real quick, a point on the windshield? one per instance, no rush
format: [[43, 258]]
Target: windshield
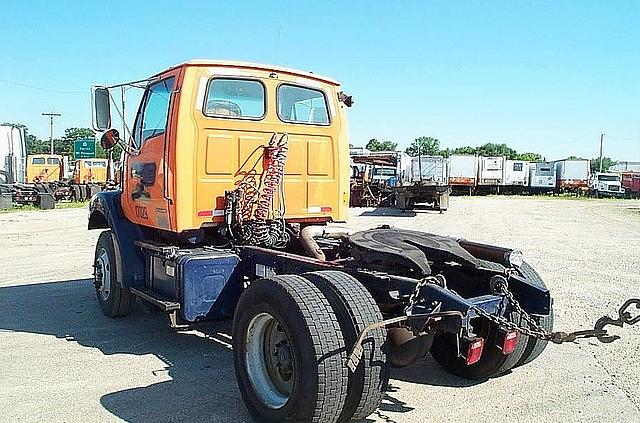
[[609, 178], [37, 160]]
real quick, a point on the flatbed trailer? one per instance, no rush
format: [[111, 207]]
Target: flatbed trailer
[[320, 312]]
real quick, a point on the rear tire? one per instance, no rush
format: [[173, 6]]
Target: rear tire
[[302, 377], [355, 309], [535, 346], [114, 300]]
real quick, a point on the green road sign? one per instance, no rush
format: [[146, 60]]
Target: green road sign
[[84, 148]]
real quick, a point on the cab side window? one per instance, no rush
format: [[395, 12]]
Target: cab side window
[[153, 115]]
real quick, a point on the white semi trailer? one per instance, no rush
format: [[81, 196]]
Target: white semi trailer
[[491, 173], [463, 172], [516, 175], [542, 177], [572, 175], [13, 152]]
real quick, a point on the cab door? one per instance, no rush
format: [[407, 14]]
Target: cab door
[[144, 196]]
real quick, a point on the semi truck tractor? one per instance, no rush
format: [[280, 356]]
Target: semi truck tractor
[[233, 202]]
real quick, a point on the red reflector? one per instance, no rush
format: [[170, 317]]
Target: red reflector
[[205, 213], [326, 209], [510, 341], [474, 352]]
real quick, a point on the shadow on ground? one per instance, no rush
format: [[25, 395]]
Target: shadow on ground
[[199, 362], [395, 212]]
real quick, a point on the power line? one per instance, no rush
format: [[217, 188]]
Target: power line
[[33, 87]]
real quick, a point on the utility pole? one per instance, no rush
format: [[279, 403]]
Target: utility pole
[[51, 115], [601, 139]]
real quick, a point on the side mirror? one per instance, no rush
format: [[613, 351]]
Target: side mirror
[[109, 139], [346, 99], [101, 109]]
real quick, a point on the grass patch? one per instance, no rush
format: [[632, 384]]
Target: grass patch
[[59, 205]]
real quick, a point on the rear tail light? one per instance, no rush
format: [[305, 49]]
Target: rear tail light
[[474, 351], [509, 342]]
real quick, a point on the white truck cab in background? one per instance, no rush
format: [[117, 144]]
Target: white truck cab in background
[[605, 183]]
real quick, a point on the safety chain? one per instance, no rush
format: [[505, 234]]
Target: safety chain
[[534, 329]]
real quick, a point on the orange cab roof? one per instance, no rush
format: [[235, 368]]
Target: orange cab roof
[[258, 66]]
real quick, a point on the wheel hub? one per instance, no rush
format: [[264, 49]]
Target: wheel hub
[[284, 361], [102, 275], [269, 360]]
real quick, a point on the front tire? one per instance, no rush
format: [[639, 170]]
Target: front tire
[[289, 352], [114, 300]]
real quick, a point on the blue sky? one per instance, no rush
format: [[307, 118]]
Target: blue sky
[[542, 76]]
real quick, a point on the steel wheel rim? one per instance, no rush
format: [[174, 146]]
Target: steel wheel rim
[[103, 275], [269, 360]]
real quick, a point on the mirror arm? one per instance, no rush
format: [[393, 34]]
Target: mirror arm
[[128, 145]]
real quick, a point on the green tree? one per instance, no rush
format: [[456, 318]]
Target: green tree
[[464, 150], [607, 162], [531, 157], [375, 145], [493, 149], [425, 146]]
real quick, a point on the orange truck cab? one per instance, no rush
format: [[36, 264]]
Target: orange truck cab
[[44, 168], [203, 128], [90, 171], [233, 186]]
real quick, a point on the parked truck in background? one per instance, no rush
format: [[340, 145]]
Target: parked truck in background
[[606, 184], [542, 177], [425, 181], [631, 184], [13, 151], [463, 173], [44, 168], [572, 175]]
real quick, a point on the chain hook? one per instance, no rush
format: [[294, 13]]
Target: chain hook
[[625, 315]]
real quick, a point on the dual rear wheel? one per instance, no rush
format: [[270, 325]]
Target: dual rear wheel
[[291, 337]]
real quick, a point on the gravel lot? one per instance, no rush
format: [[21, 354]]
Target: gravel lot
[[64, 361]]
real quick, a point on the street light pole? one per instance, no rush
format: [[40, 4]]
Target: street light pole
[[51, 116], [601, 139]]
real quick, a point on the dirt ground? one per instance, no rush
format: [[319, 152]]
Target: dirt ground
[[62, 360]]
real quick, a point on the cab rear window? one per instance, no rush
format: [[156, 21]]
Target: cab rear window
[[302, 105], [235, 98]]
